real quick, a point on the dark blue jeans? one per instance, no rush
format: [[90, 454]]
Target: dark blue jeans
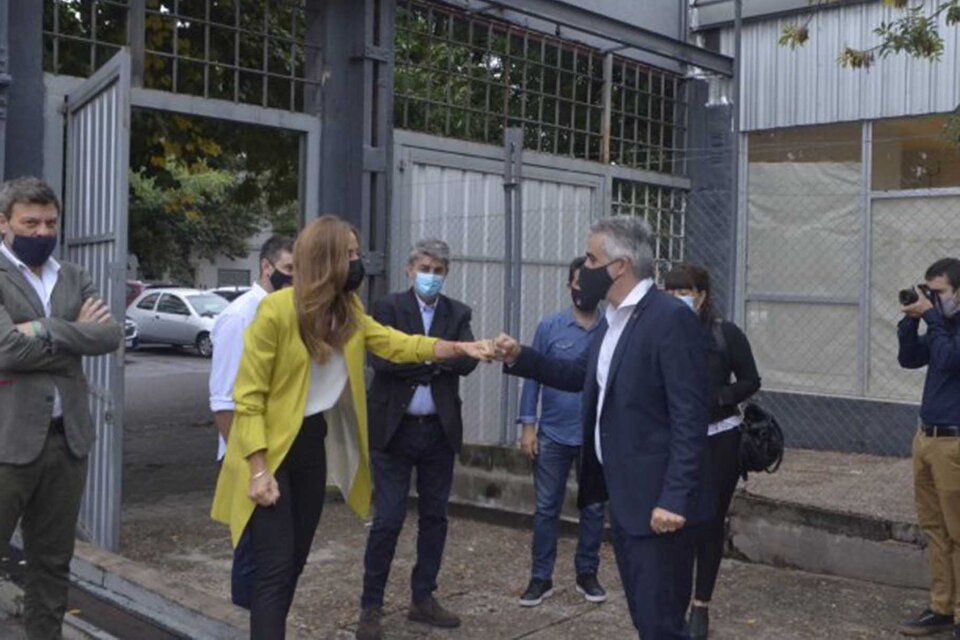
[[551, 468], [423, 447]]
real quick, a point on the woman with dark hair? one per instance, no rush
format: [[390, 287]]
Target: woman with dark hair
[[301, 410], [732, 379]]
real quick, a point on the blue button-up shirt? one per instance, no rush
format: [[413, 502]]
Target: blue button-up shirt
[[422, 403], [560, 336]]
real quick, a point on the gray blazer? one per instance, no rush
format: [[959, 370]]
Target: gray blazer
[[30, 368]]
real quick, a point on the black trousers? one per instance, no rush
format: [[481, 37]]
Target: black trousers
[[724, 454], [657, 573], [424, 447], [281, 535]]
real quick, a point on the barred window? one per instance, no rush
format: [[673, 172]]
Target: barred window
[[663, 208], [244, 51], [80, 36], [466, 76]]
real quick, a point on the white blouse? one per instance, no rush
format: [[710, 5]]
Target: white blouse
[[327, 382]]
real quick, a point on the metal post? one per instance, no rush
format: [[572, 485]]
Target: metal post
[[4, 83], [736, 160], [356, 108], [512, 264], [137, 39], [607, 108]]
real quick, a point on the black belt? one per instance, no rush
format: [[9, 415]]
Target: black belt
[[933, 431], [430, 419], [56, 425]]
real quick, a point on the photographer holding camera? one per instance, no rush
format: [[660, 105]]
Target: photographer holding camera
[[936, 447]]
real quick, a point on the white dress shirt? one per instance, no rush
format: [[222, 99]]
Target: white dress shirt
[[227, 338], [43, 285], [327, 382], [422, 404], [617, 319]]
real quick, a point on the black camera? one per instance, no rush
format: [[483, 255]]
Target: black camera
[[910, 296]]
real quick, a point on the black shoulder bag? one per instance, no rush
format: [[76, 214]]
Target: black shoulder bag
[[761, 439]]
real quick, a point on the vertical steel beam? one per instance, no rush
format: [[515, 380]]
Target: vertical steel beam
[[4, 83], [866, 246], [736, 160], [607, 108], [24, 98], [137, 40], [357, 113], [512, 263]]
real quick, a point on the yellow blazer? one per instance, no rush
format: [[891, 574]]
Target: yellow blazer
[[270, 393]]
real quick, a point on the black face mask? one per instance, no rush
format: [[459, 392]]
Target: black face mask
[[355, 275], [583, 303], [595, 283], [280, 280], [34, 250]]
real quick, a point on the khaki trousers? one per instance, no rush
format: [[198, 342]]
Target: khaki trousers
[[936, 482], [44, 496]]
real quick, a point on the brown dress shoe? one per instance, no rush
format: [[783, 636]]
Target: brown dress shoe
[[430, 612], [369, 627]]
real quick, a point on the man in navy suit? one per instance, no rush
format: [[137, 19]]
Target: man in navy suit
[[645, 420]]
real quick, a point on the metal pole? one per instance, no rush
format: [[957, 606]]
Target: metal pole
[[137, 37], [607, 108], [733, 306], [4, 83], [513, 228]]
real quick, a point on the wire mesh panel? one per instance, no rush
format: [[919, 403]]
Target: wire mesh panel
[[469, 76], [251, 52], [95, 230]]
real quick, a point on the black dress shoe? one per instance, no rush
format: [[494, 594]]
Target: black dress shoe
[[927, 624], [699, 622]]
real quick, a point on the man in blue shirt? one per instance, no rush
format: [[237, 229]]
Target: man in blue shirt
[[936, 454], [555, 445]]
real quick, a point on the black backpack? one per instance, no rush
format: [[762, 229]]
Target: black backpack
[[761, 439]]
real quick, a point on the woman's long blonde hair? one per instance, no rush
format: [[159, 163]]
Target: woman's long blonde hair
[[326, 312]]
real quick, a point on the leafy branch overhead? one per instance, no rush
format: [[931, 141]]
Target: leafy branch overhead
[[916, 32]]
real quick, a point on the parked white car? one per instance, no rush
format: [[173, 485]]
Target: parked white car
[[182, 317]]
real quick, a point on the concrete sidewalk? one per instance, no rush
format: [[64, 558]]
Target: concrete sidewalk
[[485, 569]]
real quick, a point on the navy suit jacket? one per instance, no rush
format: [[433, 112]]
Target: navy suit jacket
[[393, 385], [653, 429]]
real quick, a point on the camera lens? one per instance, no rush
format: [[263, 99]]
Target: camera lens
[[908, 296]]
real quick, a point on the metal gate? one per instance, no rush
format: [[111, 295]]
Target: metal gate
[[453, 190], [95, 234]]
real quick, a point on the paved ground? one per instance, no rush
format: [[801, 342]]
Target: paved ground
[[169, 437], [485, 570], [853, 483]]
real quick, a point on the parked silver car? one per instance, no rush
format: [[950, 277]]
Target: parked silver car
[[131, 334], [181, 317]]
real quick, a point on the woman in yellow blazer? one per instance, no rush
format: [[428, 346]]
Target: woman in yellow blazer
[[301, 382]]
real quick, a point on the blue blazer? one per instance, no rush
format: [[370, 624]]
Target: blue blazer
[[653, 430]]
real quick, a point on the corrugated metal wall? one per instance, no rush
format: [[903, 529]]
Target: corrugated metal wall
[[783, 87], [451, 193]]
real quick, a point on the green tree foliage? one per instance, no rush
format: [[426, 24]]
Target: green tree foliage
[[199, 187], [916, 32], [185, 212]]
